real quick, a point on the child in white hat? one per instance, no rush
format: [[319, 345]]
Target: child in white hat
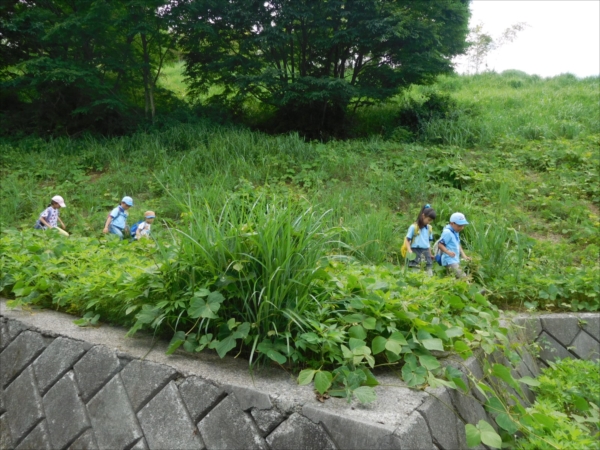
[[49, 217]]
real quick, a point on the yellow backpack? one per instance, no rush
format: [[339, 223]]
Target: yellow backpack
[[404, 248]]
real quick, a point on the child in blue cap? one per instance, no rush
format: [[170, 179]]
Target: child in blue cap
[[116, 221], [450, 247]]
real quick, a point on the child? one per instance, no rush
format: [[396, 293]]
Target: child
[[419, 237], [450, 246], [116, 221], [143, 229], [49, 217]]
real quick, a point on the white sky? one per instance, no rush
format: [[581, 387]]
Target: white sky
[[563, 35]]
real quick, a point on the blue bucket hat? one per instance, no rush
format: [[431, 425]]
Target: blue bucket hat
[[458, 219], [127, 200]]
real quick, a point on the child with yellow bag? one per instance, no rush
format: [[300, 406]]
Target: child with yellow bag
[[419, 238]]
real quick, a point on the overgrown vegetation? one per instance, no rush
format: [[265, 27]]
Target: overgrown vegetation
[[287, 252]]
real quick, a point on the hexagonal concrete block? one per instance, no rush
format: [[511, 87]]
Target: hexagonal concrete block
[[590, 323], [586, 347], [442, 420], [56, 360], [87, 441], [414, 433], [227, 427], [200, 396], [23, 405], [266, 419], [94, 370], [298, 432], [551, 349], [143, 379], [19, 354], [37, 439], [65, 412], [562, 327], [166, 422], [112, 417]]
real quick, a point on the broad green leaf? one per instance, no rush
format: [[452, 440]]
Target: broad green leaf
[[357, 332], [201, 292], [346, 352], [529, 381], [454, 332], [225, 345], [393, 346], [433, 344], [369, 323], [506, 423], [306, 376], [355, 343], [473, 435], [323, 381], [398, 337], [378, 345], [463, 349], [276, 356], [494, 405], [504, 374], [580, 403], [429, 362], [365, 394], [544, 420], [488, 435], [176, 341]]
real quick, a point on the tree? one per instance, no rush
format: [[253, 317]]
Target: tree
[[312, 61], [481, 44], [75, 65]]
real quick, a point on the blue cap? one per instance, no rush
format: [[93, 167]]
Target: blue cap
[[127, 200], [458, 219]]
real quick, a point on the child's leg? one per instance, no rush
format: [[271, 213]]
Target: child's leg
[[114, 230], [456, 270], [416, 263], [428, 262]]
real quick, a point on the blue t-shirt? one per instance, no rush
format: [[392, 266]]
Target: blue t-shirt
[[119, 216], [422, 240], [451, 239]]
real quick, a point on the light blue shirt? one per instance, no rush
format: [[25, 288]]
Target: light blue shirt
[[119, 216], [422, 240], [451, 239]]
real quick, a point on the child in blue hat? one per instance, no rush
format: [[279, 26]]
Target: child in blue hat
[[450, 247], [116, 221]]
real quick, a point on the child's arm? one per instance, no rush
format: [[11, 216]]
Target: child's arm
[[62, 223], [44, 222], [407, 243], [463, 254], [443, 249], [138, 232], [107, 224]]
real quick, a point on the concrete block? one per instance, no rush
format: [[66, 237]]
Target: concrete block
[[143, 379], [441, 419], [414, 433], [15, 328], [112, 417], [166, 422], [140, 445], [56, 360], [65, 412], [529, 361], [199, 396], [551, 349], [37, 439], [5, 439], [87, 441], [249, 398], [349, 433], [562, 327], [266, 419], [227, 427], [94, 370], [591, 324], [586, 347], [19, 354], [530, 327], [23, 405], [4, 336], [300, 433], [2, 401]]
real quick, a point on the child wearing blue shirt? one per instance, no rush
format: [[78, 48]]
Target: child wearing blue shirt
[[419, 237], [116, 221], [450, 246]]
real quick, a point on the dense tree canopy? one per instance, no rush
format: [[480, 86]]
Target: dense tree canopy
[[72, 65], [312, 60]]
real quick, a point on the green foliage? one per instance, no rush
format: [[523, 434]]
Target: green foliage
[[311, 61]]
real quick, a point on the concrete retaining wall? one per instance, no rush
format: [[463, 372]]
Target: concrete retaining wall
[[65, 387]]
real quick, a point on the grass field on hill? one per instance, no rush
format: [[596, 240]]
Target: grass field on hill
[[289, 251]]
